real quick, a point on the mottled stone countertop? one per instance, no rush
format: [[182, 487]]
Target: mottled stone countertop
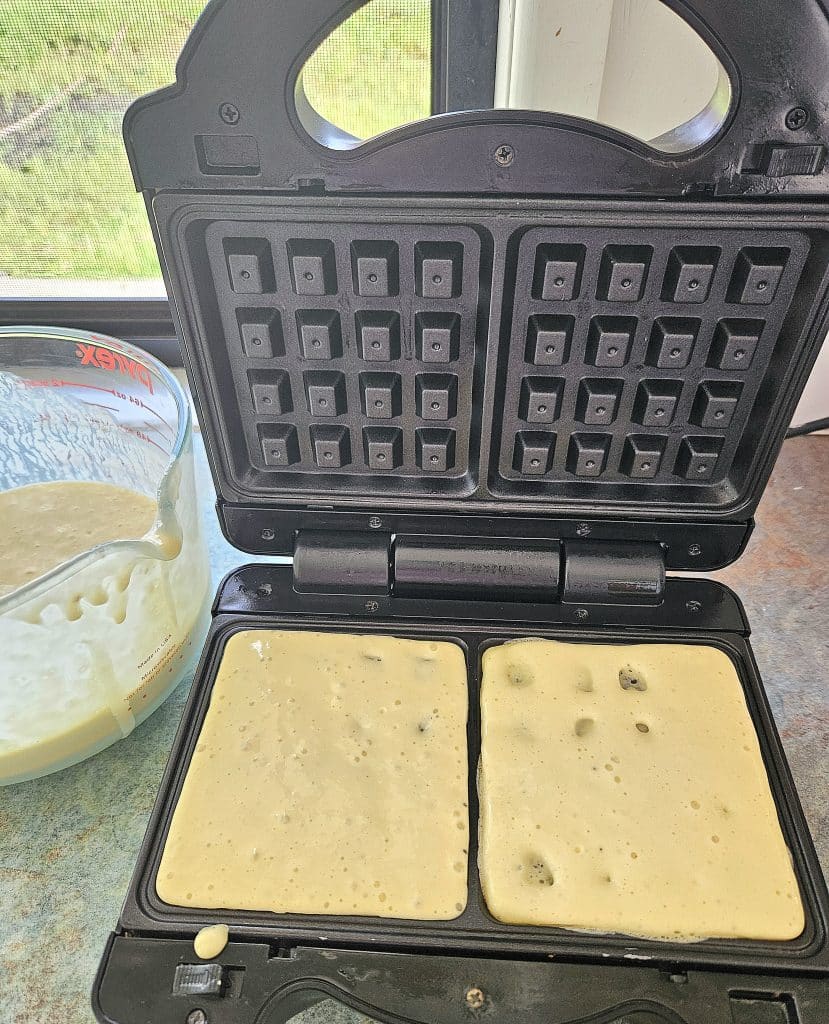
[[68, 842]]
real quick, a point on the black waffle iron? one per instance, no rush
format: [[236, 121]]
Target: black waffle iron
[[486, 376]]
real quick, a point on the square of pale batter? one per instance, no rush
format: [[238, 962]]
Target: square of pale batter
[[329, 777], [622, 789]]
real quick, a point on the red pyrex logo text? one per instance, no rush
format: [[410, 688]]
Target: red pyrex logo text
[[107, 359]]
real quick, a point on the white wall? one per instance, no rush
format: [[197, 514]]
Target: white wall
[[648, 47], [545, 56], [607, 60]]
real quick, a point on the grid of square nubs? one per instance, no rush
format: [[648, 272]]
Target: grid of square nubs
[[352, 349], [636, 357]]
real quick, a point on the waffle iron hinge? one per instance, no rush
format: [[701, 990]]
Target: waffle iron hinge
[[479, 569]]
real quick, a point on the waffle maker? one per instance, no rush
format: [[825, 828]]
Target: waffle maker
[[491, 375]]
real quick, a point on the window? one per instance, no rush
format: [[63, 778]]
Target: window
[[374, 72], [71, 223]]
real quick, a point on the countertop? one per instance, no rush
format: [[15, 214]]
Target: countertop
[[68, 842]]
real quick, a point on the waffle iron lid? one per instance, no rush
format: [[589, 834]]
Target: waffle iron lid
[[594, 329]]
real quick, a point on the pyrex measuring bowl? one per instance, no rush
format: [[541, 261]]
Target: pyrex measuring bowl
[[91, 648]]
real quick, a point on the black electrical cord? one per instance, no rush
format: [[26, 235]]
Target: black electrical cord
[[808, 428]]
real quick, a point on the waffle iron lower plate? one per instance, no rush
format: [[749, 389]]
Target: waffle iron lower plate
[[698, 981]]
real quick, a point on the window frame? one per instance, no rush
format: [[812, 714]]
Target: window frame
[[464, 51], [145, 322]]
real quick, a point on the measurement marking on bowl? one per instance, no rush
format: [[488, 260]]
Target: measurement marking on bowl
[[110, 391]]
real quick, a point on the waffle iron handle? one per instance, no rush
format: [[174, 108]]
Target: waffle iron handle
[[428, 989], [138, 982], [405, 989], [234, 118]]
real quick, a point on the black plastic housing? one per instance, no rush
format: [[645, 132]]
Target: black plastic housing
[[507, 395]]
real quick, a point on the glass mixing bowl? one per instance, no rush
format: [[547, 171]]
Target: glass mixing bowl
[[91, 648]]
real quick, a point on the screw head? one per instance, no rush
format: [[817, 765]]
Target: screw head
[[693, 606], [475, 998], [504, 155], [375, 522], [197, 1017], [372, 606], [583, 530], [229, 113], [268, 534], [582, 614], [797, 118], [694, 550]]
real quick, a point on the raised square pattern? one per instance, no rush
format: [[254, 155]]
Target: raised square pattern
[[642, 455], [690, 273], [249, 265], [757, 274], [354, 350], [325, 391], [435, 449], [610, 339], [540, 399], [271, 392], [587, 454], [375, 268], [438, 269], [548, 339], [332, 446], [381, 395], [598, 401], [672, 342], [319, 334], [279, 445], [383, 448], [558, 271], [378, 335], [533, 453], [735, 342], [313, 270], [715, 404], [698, 457], [623, 273], [437, 396], [260, 333], [656, 402], [438, 337]]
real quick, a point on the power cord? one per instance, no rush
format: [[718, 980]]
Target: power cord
[[808, 428]]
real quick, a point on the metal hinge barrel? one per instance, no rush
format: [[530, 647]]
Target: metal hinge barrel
[[346, 562], [605, 572], [479, 568]]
